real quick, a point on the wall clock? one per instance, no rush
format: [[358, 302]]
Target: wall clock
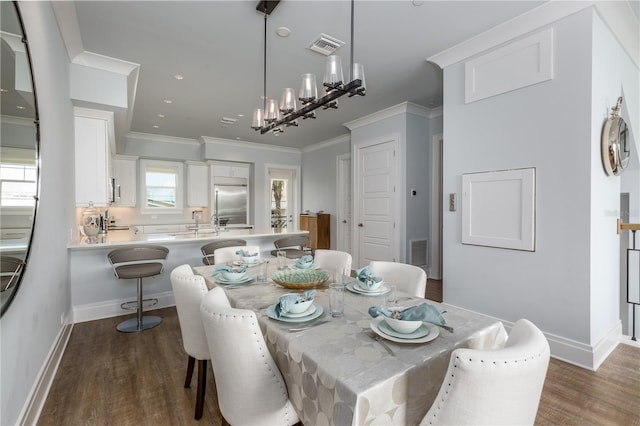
[[615, 142]]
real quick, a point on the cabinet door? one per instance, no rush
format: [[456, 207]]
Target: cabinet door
[[240, 172], [197, 185], [126, 181], [91, 165]]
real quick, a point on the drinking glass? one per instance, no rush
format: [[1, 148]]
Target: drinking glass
[[282, 260], [338, 276], [336, 300], [262, 271], [390, 297]]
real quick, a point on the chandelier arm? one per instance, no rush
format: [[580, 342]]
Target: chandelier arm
[[264, 74], [351, 50]]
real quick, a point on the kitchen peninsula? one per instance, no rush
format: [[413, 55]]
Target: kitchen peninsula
[[96, 292]]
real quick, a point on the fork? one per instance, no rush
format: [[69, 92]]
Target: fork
[[382, 343]]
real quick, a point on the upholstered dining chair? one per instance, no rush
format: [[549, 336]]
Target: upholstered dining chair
[[251, 390], [494, 387], [293, 246], [188, 290], [228, 254], [209, 249], [332, 259], [407, 278]]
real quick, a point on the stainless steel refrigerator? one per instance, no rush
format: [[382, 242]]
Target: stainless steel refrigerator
[[230, 198]]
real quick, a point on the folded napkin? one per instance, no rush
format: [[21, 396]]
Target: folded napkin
[[226, 268], [367, 277], [285, 302], [422, 312], [305, 261], [245, 253]]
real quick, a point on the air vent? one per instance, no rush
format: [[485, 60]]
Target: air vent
[[228, 121], [325, 44]]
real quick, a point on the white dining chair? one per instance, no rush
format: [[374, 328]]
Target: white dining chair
[[494, 387], [188, 290], [329, 260], [407, 278], [251, 390], [228, 254]]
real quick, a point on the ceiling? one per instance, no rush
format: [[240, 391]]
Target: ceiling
[[217, 46]]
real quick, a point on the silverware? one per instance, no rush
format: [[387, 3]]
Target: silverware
[[446, 327], [382, 343], [306, 327]]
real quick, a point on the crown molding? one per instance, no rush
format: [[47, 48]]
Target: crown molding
[[617, 15], [403, 108], [245, 144], [148, 137], [327, 143]]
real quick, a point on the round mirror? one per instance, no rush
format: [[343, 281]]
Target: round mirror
[[19, 152]]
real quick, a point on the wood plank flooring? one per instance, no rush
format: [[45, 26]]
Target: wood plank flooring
[[112, 378]]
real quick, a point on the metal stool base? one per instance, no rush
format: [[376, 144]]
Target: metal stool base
[[133, 325]]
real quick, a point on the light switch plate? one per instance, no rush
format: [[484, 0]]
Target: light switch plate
[[452, 202]]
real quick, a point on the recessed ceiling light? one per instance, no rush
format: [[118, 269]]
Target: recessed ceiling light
[[167, 101], [417, 3], [4, 90], [240, 115], [178, 77], [283, 31], [20, 107], [238, 137], [161, 115], [155, 126]]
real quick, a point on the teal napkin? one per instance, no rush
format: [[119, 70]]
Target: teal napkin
[[226, 268], [245, 253], [285, 302], [422, 312], [304, 262], [366, 277]]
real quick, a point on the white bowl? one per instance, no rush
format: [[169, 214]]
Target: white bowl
[[235, 274], [300, 307], [402, 326], [371, 287], [250, 259]]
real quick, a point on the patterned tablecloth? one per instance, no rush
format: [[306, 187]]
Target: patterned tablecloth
[[337, 373]]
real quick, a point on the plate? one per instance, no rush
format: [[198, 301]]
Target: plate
[[310, 268], [246, 279], [354, 289], [422, 331], [308, 312], [271, 313], [434, 332], [242, 263]]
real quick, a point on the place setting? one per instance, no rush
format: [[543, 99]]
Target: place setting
[[295, 308], [247, 258], [232, 275], [415, 324], [304, 263], [368, 284]]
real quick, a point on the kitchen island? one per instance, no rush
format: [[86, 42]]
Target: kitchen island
[[95, 291]]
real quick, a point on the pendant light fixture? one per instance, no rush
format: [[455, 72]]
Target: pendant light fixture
[[268, 119]]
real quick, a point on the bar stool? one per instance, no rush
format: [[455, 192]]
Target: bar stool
[[138, 262], [209, 249]]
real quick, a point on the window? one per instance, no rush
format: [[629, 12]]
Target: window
[[161, 186], [17, 178]]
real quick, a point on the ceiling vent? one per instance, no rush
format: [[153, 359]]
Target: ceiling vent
[[325, 44]]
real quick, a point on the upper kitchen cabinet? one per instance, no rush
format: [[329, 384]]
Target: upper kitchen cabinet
[[126, 173], [94, 151], [197, 184], [228, 169]]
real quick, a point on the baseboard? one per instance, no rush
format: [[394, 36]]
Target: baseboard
[[38, 395], [111, 308]]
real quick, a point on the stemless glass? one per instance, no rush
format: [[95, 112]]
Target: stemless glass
[[336, 300], [282, 260]]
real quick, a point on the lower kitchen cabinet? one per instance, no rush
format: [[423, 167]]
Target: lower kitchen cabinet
[[319, 227]]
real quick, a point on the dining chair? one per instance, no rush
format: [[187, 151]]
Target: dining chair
[[330, 260], [188, 290], [10, 268], [138, 261], [496, 387], [209, 249], [251, 390], [407, 278], [228, 254], [294, 246]]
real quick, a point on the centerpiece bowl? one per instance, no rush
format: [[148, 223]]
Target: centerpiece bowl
[[300, 279]]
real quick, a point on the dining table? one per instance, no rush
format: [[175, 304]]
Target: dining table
[[338, 370]]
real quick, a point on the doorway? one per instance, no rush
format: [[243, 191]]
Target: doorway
[[283, 187], [435, 246], [343, 203]]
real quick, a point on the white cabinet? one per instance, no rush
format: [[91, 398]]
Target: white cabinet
[[223, 169], [197, 184], [126, 172], [94, 149]]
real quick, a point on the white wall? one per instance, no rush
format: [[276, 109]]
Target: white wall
[[31, 325]]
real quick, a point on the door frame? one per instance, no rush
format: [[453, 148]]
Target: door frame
[[400, 184], [435, 245], [296, 192], [340, 196]]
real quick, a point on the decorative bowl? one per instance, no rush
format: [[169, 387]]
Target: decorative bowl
[[300, 307], [378, 281], [402, 326], [303, 265], [234, 274], [300, 279]]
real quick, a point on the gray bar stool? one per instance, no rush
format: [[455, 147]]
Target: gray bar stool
[[138, 262]]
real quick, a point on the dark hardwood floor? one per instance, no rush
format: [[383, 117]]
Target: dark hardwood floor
[[112, 378]]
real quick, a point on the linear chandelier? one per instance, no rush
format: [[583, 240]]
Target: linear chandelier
[[274, 116]]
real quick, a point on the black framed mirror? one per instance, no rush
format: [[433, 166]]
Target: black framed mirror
[[19, 152]]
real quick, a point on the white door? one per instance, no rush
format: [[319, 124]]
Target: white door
[[283, 205], [377, 203], [343, 192]]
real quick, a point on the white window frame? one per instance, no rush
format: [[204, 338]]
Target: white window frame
[[176, 166]]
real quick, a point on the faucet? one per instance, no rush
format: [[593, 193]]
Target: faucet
[[216, 223]]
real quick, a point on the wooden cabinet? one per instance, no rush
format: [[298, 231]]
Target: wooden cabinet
[[197, 184], [319, 227], [126, 171]]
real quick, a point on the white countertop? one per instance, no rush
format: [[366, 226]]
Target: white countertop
[[123, 238]]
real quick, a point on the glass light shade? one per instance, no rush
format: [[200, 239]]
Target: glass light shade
[[257, 121], [358, 74], [309, 90], [333, 71], [272, 113], [288, 101]]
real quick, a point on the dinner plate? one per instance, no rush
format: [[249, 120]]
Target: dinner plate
[[434, 332], [310, 268], [309, 311], [352, 287], [422, 331], [271, 313], [242, 263], [222, 280]]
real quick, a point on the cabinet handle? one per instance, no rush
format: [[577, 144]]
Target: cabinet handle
[[360, 225], [344, 221]]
